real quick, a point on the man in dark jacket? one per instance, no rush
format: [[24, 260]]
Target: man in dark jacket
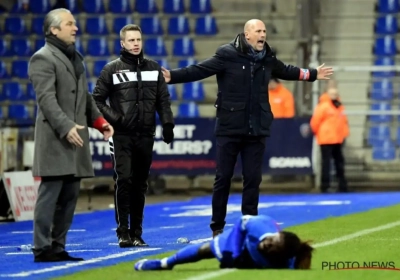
[[243, 68], [136, 89]]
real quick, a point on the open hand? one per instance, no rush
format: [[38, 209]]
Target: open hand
[[73, 136], [324, 72]]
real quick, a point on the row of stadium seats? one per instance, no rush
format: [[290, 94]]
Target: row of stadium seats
[[181, 47], [19, 68], [152, 25], [387, 6], [383, 89], [23, 113], [119, 7], [15, 92], [381, 107]]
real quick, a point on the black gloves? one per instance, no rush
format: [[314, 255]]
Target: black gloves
[[168, 133]]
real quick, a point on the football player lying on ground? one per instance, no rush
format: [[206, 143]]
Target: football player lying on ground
[[254, 242]]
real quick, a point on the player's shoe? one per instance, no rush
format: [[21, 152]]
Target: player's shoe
[[146, 264]]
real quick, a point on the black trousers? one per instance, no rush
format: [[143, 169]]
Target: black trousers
[[251, 151], [132, 157], [328, 152]]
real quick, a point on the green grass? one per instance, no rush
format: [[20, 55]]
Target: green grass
[[382, 246]]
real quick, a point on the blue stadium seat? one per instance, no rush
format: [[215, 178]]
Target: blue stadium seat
[[174, 7], [1, 113], [385, 46], [40, 6], [37, 25], [3, 71], [97, 47], [117, 46], [98, 65], [91, 86], [94, 6], [163, 62], [206, 25], [120, 22], [18, 112], [178, 25], [155, 47], [377, 133], [79, 45], [386, 25], [384, 154], [188, 110], [186, 62], [151, 25], [193, 91], [12, 91], [39, 42], [119, 7], [382, 90], [183, 47], [19, 69], [15, 26], [18, 8], [384, 61], [381, 106], [388, 6], [172, 91], [73, 6], [30, 92], [4, 48], [96, 26], [21, 47], [200, 6], [146, 7]]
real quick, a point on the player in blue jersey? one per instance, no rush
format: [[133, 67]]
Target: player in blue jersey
[[253, 242]]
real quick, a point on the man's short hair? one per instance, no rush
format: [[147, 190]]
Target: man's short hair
[[129, 27]]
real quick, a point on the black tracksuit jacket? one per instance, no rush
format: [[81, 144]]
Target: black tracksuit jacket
[[136, 89], [242, 104]]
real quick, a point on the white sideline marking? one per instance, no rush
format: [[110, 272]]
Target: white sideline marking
[[168, 227], [318, 245], [16, 246], [75, 264], [69, 251], [31, 231]]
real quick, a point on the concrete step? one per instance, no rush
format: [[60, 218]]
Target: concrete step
[[345, 8], [347, 27], [347, 48]]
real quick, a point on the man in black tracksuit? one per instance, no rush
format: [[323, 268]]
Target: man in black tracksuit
[[136, 89], [243, 68]]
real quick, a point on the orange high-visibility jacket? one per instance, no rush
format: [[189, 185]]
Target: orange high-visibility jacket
[[282, 102], [328, 123]]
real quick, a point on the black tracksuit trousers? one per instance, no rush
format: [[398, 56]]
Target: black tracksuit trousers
[[132, 158], [251, 151], [327, 153]]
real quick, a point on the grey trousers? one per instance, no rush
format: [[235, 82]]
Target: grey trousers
[[54, 212]]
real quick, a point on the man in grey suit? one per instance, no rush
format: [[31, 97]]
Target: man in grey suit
[[62, 153]]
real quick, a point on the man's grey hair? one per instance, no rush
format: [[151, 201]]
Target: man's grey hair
[[53, 19]]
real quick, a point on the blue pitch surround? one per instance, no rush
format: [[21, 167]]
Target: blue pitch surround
[[92, 235]]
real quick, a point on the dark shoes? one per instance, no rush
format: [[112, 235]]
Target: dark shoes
[[55, 257], [130, 239]]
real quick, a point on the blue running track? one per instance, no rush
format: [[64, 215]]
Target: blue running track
[[92, 235]]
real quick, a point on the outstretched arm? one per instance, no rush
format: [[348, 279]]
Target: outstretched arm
[[192, 73], [294, 73]]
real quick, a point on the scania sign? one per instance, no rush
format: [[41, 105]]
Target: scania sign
[[289, 162]]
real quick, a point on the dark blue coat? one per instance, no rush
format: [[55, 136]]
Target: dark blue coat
[[242, 104]]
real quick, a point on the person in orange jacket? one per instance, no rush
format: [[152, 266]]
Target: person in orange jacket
[[281, 100], [330, 125]]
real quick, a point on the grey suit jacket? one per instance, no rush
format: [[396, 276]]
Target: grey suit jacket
[[63, 101]]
